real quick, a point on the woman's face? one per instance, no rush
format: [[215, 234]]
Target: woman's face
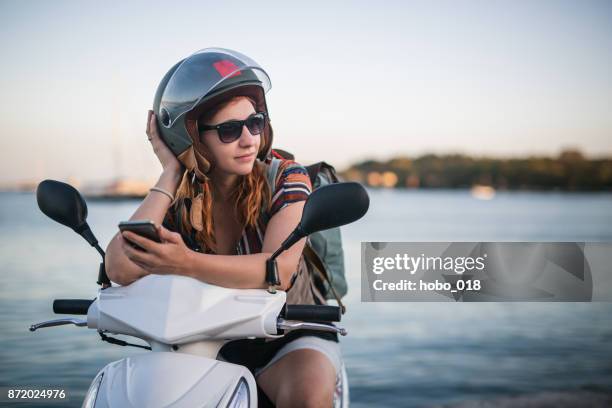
[[238, 156]]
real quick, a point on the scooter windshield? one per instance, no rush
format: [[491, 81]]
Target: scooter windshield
[[206, 70]]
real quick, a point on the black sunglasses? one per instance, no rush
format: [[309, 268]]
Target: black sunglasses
[[232, 129]]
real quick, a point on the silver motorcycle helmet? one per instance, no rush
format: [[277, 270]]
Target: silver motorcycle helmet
[[194, 85]]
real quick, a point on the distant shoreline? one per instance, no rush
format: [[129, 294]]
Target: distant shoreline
[[570, 171]]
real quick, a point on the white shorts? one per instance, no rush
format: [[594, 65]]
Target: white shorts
[[329, 348]]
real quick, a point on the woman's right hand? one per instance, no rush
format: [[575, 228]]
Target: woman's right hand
[[167, 159]]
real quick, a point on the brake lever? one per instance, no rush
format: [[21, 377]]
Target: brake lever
[[58, 322]]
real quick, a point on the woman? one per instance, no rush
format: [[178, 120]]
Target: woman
[[211, 133]]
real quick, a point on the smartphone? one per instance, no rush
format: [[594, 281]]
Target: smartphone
[[145, 228]]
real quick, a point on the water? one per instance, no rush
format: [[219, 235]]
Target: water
[[397, 354]]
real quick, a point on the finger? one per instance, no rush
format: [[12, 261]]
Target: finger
[[129, 248], [146, 267], [145, 243], [134, 249], [153, 125], [149, 115], [137, 256], [164, 233], [169, 236], [141, 265]]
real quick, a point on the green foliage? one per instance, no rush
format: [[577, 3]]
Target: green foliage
[[569, 171]]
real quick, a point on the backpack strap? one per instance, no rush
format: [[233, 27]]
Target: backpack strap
[[312, 256], [273, 172]]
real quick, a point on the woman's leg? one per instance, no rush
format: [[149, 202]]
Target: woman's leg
[[301, 378]]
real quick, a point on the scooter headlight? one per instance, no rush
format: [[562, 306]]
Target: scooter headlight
[[240, 397], [92, 392]]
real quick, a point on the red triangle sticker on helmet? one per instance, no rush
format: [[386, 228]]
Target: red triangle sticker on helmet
[[225, 68]]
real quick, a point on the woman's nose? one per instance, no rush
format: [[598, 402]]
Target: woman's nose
[[246, 138]]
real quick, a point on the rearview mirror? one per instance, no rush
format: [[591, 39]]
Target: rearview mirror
[[328, 207], [334, 205], [63, 203]]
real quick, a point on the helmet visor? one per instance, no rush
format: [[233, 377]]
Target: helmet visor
[[206, 70]]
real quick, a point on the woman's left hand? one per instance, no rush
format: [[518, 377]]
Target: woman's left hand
[[167, 159], [171, 257]]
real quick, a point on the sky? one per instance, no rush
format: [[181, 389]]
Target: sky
[[350, 80]]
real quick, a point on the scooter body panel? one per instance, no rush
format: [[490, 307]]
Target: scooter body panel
[[185, 310], [168, 379]]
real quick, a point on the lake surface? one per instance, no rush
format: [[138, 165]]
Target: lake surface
[[397, 354]]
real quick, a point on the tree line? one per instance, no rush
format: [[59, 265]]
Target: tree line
[[570, 171]]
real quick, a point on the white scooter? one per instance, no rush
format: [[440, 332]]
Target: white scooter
[[186, 321]]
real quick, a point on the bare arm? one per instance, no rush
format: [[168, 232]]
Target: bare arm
[[235, 271], [119, 267]]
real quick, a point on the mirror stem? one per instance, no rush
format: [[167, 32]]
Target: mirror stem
[[86, 233], [294, 237], [272, 278], [100, 250], [102, 276]]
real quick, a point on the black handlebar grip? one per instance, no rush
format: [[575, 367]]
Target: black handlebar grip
[[71, 306], [313, 313]]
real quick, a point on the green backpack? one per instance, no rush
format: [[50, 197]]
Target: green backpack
[[323, 249]]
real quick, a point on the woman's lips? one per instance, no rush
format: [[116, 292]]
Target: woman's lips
[[246, 157]]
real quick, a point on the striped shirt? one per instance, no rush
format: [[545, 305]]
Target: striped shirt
[[292, 185]]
